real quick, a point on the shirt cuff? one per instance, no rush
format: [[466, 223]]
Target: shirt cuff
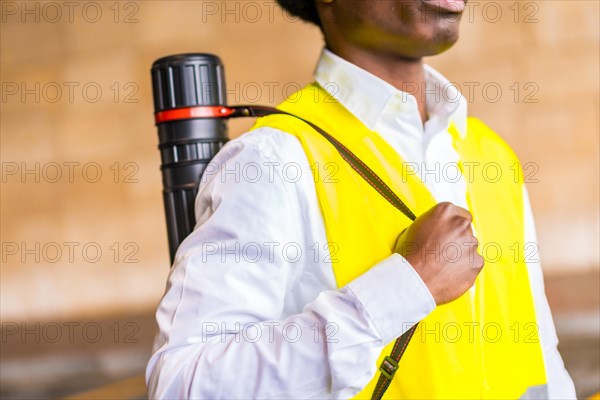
[[393, 295]]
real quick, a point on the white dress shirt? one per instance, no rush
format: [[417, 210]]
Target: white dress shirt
[[252, 309]]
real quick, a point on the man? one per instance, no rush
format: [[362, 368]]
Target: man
[[300, 275]]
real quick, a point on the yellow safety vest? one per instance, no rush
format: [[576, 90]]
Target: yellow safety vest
[[481, 346]]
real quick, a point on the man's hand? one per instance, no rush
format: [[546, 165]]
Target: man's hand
[[441, 247]]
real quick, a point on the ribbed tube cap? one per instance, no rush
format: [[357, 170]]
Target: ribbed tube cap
[[188, 80]]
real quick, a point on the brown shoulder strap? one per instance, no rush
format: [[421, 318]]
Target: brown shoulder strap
[[389, 366]]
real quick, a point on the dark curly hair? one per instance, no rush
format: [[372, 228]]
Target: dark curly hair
[[304, 9]]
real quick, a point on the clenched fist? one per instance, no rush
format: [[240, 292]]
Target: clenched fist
[[441, 247]]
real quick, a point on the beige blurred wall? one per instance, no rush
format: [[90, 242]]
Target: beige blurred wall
[[75, 243]]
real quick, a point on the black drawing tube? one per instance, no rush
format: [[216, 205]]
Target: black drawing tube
[[181, 84]]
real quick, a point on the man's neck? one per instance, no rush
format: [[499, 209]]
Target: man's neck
[[404, 74]]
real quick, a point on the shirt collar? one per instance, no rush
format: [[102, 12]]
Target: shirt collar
[[369, 97]]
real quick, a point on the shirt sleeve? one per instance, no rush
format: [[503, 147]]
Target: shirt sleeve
[[560, 384], [224, 331]]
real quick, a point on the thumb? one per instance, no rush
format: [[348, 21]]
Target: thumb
[[400, 240]]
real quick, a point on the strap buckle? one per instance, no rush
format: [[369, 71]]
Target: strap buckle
[[388, 367]]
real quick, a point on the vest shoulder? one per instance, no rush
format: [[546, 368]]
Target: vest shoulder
[[487, 140]]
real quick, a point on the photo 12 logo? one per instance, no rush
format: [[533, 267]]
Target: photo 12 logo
[[70, 92], [53, 12], [68, 172]]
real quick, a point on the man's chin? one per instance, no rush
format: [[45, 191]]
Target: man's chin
[[441, 40], [445, 6]]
